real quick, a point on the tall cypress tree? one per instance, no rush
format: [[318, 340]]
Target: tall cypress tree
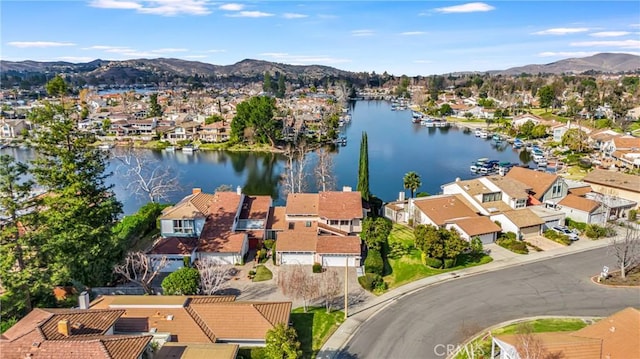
[[363, 168]]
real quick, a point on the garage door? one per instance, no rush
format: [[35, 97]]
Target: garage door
[[297, 258], [528, 232], [549, 224], [173, 264], [338, 261]]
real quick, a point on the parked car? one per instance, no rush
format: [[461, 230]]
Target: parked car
[[566, 231]]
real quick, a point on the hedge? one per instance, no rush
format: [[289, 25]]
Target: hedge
[[370, 281], [373, 263], [433, 262], [317, 267], [184, 281], [449, 262]]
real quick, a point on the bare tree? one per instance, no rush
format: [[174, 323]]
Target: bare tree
[[530, 346], [325, 178], [140, 269], [148, 177], [294, 177], [626, 250], [296, 282], [213, 275], [330, 287]]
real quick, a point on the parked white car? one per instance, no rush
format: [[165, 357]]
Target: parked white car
[[566, 231]]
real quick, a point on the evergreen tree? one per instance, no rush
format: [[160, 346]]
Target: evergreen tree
[[282, 343], [363, 168], [80, 209], [282, 87], [266, 84], [154, 108]]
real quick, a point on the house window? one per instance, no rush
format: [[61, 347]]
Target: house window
[[556, 190], [333, 222], [183, 226], [490, 197], [521, 203], [344, 223]]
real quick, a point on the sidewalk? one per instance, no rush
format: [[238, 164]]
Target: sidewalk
[[502, 259]]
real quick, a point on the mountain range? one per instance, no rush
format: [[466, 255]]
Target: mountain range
[[153, 70]]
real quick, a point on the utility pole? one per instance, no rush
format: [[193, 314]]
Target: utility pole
[[346, 288]]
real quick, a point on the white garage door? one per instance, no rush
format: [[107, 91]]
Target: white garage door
[[329, 260], [297, 258], [528, 232], [173, 264], [549, 224]]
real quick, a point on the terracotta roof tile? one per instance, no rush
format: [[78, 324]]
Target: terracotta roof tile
[[571, 347], [579, 203], [444, 208], [302, 204], [475, 226], [226, 243], [81, 322], [126, 346], [174, 245], [255, 207], [277, 219], [619, 334], [538, 181], [192, 206], [580, 191], [338, 245], [26, 324], [340, 205], [296, 241]]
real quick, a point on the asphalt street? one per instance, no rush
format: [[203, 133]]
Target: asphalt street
[[424, 323]]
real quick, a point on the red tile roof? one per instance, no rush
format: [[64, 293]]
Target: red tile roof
[[340, 205], [296, 241], [302, 204], [338, 245], [255, 207], [277, 219], [579, 203], [174, 245]]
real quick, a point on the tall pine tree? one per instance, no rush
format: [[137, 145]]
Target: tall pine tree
[[80, 209], [363, 168]]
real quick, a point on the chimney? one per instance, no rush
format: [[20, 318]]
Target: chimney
[[83, 300], [64, 327], [196, 190], [239, 190], [401, 196], [346, 188], [457, 179]]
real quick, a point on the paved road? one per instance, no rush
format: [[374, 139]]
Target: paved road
[[421, 324]]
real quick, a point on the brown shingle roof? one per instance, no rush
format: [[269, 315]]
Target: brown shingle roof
[[524, 218], [444, 208], [217, 235], [192, 206], [571, 347], [302, 204], [580, 191], [619, 334], [226, 243], [338, 245], [172, 350], [614, 179], [579, 203], [296, 241], [513, 188], [475, 226], [81, 322], [277, 219], [174, 245], [538, 181], [626, 142], [340, 205], [26, 324]]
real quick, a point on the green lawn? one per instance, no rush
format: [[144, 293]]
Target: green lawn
[[401, 233], [262, 273], [538, 326], [313, 327]]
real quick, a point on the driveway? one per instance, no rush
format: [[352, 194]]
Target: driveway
[[421, 324], [544, 243]]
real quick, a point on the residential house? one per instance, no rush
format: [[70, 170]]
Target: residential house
[[215, 132], [558, 130], [173, 350], [439, 210], [614, 337], [492, 194], [523, 222], [544, 187], [185, 131], [625, 150], [70, 334], [613, 183], [520, 120], [550, 216], [481, 227], [582, 209], [601, 139], [10, 129], [196, 319]]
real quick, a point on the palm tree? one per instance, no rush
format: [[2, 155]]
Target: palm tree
[[412, 181]]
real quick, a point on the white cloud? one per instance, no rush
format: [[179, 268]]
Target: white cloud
[[75, 58], [26, 44], [412, 33], [169, 49], [464, 8], [231, 7], [254, 14], [156, 7], [290, 15], [609, 33], [195, 56], [566, 54], [362, 33], [624, 44], [562, 31], [303, 59]]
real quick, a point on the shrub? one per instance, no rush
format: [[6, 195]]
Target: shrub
[[262, 255], [268, 243], [449, 262], [513, 245], [317, 267], [399, 248], [410, 222], [186, 261], [184, 281], [557, 237], [369, 281], [476, 245], [433, 262], [633, 215], [373, 263], [581, 226]]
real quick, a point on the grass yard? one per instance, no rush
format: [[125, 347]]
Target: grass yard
[[314, 328], [482, 345], [402, 233], [262, 273]]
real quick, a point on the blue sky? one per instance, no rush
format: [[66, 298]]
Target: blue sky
[[400, 37]]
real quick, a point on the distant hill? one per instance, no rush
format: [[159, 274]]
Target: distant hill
[[604, 62]]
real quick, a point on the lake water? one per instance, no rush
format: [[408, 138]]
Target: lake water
[[396, 146]]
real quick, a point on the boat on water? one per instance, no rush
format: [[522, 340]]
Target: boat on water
[[342, 141], [478, 133], [479, 163], [189, 149], [105, 146], [484, 134], [170, 148]]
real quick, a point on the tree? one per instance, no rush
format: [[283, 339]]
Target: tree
[[212, 119], [530, 346], [547, 96], [266, 84], [627, 251], [325, 179], [80, 209], [294, 178], [139, 269], [476, 245], [21, 276], [184, 281], [439, 243], [412, 182], [282, 343], [213, 275], [296, 282], [256, 114], [363, 168], [147, 176], [57, 87], [574, 139], [446, 110], [282, 87], [330, 287], [155, 110], [375, 232]]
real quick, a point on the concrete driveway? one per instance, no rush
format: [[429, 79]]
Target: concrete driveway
[[544, 243]]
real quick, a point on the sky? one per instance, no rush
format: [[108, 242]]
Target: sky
[[400, 37]]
